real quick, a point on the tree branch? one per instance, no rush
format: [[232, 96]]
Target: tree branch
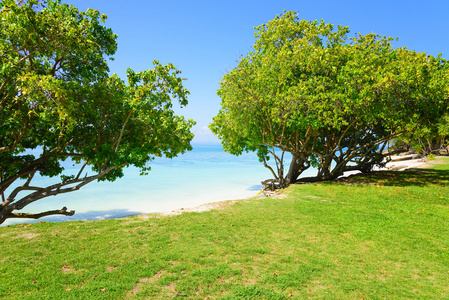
[[265, 164], [28, 169], [62, 211], [16, 138], [3, 193], [71, 154], [2, 86], [81, 170], [343, 135], [122, 130], [56, 189], [55, 67]]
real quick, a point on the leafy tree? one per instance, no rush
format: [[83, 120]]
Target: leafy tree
[[58, 102], [331, 101], [430, 137]]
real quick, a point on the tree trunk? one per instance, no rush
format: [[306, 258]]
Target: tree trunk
[[297, 166]]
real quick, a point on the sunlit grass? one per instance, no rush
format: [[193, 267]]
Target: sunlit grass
[[379, 236]]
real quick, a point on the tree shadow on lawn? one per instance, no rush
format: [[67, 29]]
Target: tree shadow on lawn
[[79, 216], [410, 177]]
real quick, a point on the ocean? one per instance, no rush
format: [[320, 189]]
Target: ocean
[[205, 174]]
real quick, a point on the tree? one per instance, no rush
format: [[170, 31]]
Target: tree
[[331, 101], [58, 102], [430, 137]]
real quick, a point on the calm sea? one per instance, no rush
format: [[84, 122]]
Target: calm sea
[[206, 174]]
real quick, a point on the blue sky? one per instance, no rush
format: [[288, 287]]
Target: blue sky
[[204, 39]]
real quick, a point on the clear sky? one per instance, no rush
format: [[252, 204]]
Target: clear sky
[[204, 39]]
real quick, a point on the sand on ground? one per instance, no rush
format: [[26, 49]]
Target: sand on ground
[[396, 163]]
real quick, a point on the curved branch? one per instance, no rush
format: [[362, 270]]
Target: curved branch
[[26, 170], [269, 168], [62, 211], [123, 130], [17, 138]]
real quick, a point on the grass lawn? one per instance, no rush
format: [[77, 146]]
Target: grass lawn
[[382, 236]]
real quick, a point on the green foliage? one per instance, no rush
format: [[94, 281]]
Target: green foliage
[[429, 138], [330, 100], [58, 102], [431, 157]]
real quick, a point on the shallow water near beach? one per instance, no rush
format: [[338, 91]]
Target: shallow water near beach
[[205, 174]]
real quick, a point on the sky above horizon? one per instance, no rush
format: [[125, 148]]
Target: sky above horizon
[[204, 39]]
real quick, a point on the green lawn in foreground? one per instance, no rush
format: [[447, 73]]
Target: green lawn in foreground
[[383, 236]]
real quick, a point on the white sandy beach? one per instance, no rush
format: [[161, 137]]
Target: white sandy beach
[[396, 163]]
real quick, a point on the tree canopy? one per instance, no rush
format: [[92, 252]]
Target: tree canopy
[[331, 100], [431, 137], [58, 100]]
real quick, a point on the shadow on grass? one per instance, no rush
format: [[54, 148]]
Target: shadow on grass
[[411, 177], [79, 216]]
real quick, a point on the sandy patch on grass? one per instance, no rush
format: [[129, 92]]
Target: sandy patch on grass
[[144, 281], [110, 269], [403, 162], [28, 235], [201, 208], [154, 278], [67, 269], [397, 163], [433, 162]]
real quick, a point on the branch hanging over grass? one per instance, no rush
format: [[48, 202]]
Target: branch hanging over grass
[[64, 105], [11, 204], [62, 211]]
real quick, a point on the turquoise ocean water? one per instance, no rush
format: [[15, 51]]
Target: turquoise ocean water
[[205, 174]]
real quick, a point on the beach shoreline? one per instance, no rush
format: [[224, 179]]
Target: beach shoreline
[[396, 163]]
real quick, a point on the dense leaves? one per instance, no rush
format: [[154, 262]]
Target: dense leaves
[[57, 101], [431, 137], [330, 100]]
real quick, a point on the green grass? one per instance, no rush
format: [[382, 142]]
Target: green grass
[[382, 236]]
